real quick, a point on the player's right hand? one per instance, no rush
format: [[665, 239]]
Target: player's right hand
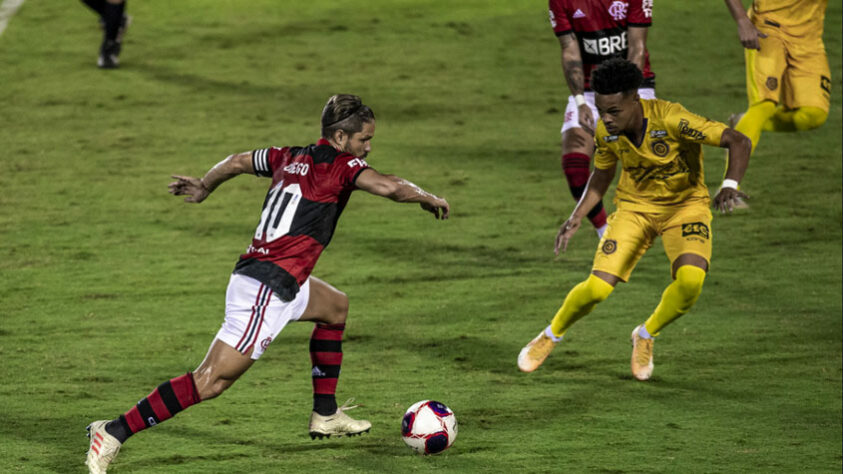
[[586, 119], [438, 207], [749, 35], [566, 231], [727, 199], [194, 188]]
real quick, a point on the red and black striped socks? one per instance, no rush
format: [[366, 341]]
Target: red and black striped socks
[[576, 168], [326, 357], [162, 404]]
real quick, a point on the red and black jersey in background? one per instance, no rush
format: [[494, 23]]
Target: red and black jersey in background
[[600, 27], [310, 187]]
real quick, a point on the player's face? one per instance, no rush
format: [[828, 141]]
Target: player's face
[[620, 112], [360, 144]]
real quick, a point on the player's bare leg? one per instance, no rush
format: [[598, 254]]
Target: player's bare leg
[[222, 366], [577, 149], [328, 308], [689, 274]]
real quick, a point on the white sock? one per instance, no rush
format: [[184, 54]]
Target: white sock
[[549, 333], [642, 332], [600, 230]]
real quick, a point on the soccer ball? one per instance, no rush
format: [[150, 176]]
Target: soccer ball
[[429, 427]]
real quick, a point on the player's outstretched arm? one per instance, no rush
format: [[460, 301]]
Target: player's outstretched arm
[[198, 189], [598, 183], [740, 147], [401, 190], [575, 77], [747, 32]]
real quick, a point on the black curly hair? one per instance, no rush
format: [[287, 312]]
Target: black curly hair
[[616, 75]]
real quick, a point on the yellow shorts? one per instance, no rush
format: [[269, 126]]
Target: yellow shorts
[[630, 233], [788, 70]]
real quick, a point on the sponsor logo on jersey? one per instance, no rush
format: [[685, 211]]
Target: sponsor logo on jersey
[[606, 46], [618, 10], [772, 83], [552, 19], [579, 14], [297, 168], [357, 162], [695, 228], [660, 148], [658, 133], [610, 138], [260, 250], [647, 8], [686, 131], [609, 247]]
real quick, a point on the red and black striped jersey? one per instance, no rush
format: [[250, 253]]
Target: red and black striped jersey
[[310, 187], [600, 27]]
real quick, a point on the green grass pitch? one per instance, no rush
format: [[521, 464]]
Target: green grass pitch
[[110, 286]]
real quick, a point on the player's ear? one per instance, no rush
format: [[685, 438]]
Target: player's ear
[[340, 137]]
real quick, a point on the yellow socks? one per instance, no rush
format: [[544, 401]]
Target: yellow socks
[[677, 298], [579, 302], [754, 119], [803, 118]]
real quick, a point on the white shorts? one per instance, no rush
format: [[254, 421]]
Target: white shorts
[[254, 315], [572, 113]]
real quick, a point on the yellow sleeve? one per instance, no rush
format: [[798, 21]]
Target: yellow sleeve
[[604, 157], [686, 126]]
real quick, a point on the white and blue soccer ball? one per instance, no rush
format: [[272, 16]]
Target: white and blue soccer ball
[[429, 427]]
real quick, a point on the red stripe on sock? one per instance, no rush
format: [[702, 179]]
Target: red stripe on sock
[[158, 406], [185, 389], [600, 219], [325, 386], [576, 168], [326, 358], [134, 419], [328, 333]]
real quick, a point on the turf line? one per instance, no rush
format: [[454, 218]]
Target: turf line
[[7, 10]]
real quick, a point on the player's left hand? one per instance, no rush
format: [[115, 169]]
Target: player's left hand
[[586, 119], [438, 207], [566, 231], [194, 188], [727, 199]]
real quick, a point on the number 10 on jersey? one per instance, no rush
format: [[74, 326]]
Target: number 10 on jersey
[[278, 211]]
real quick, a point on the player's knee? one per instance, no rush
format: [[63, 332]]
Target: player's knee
[[209, 385], [807, 118], [689, 280], [598, 289]]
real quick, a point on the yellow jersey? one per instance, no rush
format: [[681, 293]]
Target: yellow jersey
[[793, 17], [666, 168]]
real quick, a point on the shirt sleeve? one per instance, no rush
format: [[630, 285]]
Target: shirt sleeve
[[640, 13], [558, 19], [689, 127], [266, 160], [604, 157], [346, 169]]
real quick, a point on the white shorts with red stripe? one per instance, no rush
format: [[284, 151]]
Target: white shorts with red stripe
[[572, 112], [254, 315]]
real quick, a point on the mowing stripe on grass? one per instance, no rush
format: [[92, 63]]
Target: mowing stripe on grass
[[7, 10]]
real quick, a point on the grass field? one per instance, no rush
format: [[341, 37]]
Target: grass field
[[110, 286]]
